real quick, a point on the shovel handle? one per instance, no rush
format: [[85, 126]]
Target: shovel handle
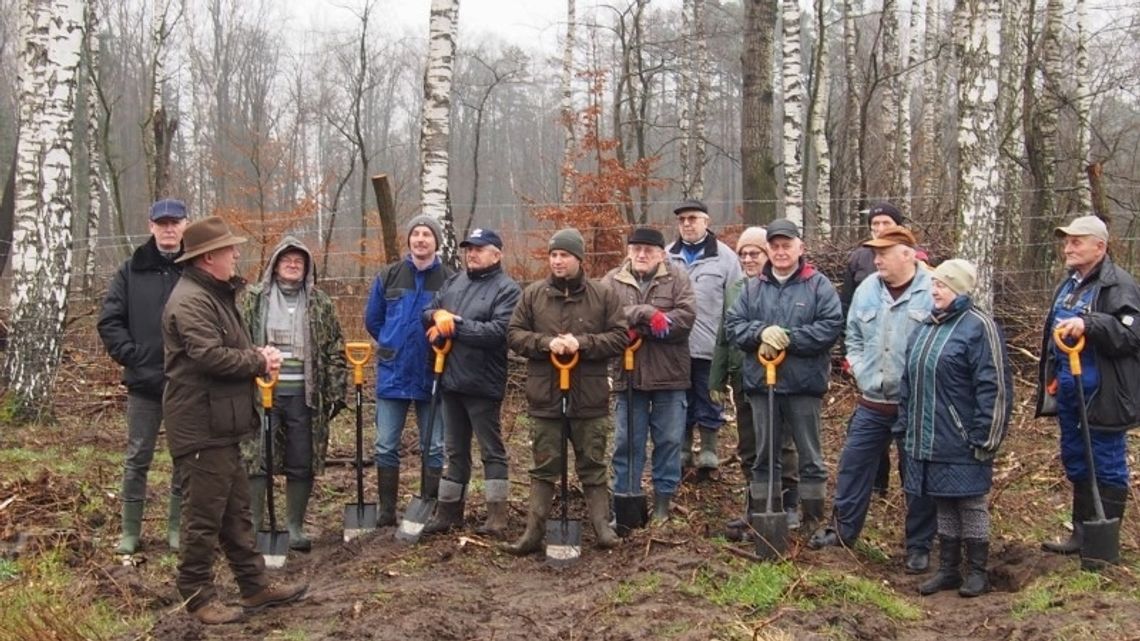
[[1073, 351], [564, 369], [266, 384], [441, 355], [628, 361], [770, 366], [358, 353]]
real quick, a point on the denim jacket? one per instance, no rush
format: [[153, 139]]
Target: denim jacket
[[877, 331]]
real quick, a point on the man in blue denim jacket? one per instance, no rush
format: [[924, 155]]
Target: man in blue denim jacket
[[885, 309]]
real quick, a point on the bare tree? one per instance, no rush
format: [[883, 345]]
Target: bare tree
[[1083, 104], [854, 193], [436, 127], [1011, 127], [160, 123], [817, 122], [567, 105], [889, 62], [793, 84], [1041, 134]]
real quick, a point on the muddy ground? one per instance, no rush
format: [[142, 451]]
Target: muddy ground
[[665, 582]]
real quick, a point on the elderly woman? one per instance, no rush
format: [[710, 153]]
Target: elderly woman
[[957, 395]]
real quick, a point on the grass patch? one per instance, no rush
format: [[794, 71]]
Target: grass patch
[[760, 586], [9, 570], [628, 591], [843, 590], [1050, 592]]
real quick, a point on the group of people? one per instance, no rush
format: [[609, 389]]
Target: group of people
[[931, 370]]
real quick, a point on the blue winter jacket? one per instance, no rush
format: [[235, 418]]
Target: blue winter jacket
[[957, 389], [806, 305], [400, 293], [878, 328]]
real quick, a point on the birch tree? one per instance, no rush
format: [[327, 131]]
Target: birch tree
[[757, 163], [694, 88], [1011, 127], [90, 97], [436, 125], [567, 106], [51, 33], [1083, 104], [854, 192], [160, 123], [793, 85], [892, 97], [979, 48], [1041, 140], [906, 139], [931, 173]]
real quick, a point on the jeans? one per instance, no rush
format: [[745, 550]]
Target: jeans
[[701, 411], [391, 414], [144, 417], [1109, 448], [659, 415], [868, 436], [467, 416]]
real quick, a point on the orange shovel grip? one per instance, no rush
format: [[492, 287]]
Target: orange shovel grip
[[770, 366], [564, 369], [358, 353], [267, 383], [1074, 352]]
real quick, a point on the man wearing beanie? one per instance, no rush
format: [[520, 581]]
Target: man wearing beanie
[[713, 268], [658, 304], [565, 315], [400, 293], [1099, 301]]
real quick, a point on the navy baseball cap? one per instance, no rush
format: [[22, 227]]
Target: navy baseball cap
[[168, 208], [482, 238]]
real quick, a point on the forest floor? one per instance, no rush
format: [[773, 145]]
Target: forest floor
[[682, 580]]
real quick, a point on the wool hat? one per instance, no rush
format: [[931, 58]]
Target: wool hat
[[690, 205], [885, 209], [168, 208], [1084, 226], [206, 235], [423, 220], [568, 240], [647, 236], [755, 236], [892, 236], [959, 275], [783, 227], [482, 238]]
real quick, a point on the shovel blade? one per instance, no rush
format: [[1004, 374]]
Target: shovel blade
[[274, 546], [771, 534], [563, 543], [631, 512], [359, 519], [415, 518], [1100, 546]]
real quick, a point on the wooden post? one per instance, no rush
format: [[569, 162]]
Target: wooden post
[[386, 208]]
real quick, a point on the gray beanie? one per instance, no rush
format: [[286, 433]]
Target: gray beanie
[[423, 220], [569, 240], [959, 275]]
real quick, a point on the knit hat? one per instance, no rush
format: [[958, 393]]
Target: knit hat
[[1084, 226], [568, 240], [957, 274], [885, 209], [755, 236], [423, 220], [647, 236]]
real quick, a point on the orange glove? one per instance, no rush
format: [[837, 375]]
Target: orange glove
[[436, 337], [444, 322], [1052, 387]]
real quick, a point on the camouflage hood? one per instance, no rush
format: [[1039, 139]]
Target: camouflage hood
[[289, 243]]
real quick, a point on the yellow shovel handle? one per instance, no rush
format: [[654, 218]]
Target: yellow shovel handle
[[770, 366], [358, 353], [564, 369], [1074, 351], [267, 383]]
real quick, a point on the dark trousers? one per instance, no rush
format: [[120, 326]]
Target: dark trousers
[[587, 441], [868, 436], [293, 417], [701, 410], [466, 416], [144, 417], [216, 513], [746, 449]]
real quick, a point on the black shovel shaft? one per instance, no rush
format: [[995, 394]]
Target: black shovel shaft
[[359, 449], [425, 434], [629, 435], [771, 445], [267, 430], [565, 463], [1090, 460]]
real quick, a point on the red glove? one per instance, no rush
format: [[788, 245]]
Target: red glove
[[445, 321], [846, 367], [632, 335], [659, 324]]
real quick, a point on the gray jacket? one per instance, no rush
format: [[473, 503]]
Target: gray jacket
[[711, 274]]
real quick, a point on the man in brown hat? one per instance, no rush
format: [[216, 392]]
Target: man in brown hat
[[208, 408]]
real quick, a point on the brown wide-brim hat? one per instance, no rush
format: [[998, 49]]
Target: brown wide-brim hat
[[206, 235]]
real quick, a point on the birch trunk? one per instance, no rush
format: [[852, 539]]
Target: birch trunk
[[1042, 140], [757, 162], [821, 99], [906, 139], [793, 86], [686, 99], [700, 98], [891, 105], [853, 193], [1011, 126], [51, 33], [436, 127], [567, 107], [91, 140], [932, 156], [979, 183], [1083, 103]]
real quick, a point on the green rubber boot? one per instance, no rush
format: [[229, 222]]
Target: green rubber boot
[[132, 527], [297, 495], [173, 522]]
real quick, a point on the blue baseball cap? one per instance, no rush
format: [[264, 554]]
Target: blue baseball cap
[[168, 208], [482, 238]]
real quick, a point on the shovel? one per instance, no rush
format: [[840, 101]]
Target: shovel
[[273, 544], [360, 517], [563, 536], [1100, 545], [630, 510], [771, 526], [420, 509]]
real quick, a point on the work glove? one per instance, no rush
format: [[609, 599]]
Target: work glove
[[435, 336], [632, 335], [336, 408], [776, 336], [659, 324], [768, 352], [717, 396], [445, 322], [846, 367]]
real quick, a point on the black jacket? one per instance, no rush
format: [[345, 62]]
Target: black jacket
[[130, 322], [477, 364], [1112, 331]]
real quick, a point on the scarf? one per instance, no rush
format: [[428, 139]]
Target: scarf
[[282, 327]]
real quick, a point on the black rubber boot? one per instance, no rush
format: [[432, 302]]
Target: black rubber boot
[[430, 490], [541, 502], [448, 510], [1082, 511], [598, 505], [1114, 499], [949, 575], [977, 580], [388, 480], [661, 504]]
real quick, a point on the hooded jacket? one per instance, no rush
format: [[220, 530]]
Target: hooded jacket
[[711, 274]]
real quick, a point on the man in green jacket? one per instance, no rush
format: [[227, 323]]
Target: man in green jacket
[[567, 314]]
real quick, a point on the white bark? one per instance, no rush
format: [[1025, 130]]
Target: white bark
[[906, 139], [435, 129], [1011, 125], [1084, 108], [889, 112], [51, 33], [932, 157], [94, 153], [700, 98], [793, 83], [854, 191], [567, 107], [979, 182], [686, 99], [820, 102]]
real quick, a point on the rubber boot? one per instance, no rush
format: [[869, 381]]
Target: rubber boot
[[540, 504], [708, 459], [737, 529], [661, 502], [791, 501], [812, 496], [132, 527], [448, 512], [388, 481], [687, 448], [173, 522], [495, 526], [430, 490], [1114, 499], [1082, 511], [949, 575], [297, 495], [257, 501], [977, 555], [598, 505]]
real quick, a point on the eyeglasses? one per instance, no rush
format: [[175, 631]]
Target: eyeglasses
[[293, 262], [691, 219], [751, 254]]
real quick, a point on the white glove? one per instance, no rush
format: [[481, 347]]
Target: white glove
[[776, 336]]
